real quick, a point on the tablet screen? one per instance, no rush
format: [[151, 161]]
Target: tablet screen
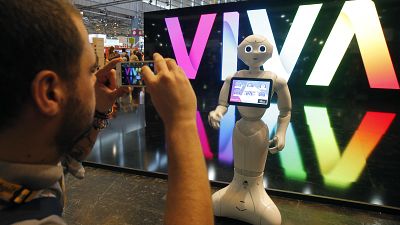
[[253, 92]]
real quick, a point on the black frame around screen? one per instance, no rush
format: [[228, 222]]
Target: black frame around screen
[[137, 64], [251, 104]]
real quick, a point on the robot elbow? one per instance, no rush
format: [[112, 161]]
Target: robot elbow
[[284, 112]]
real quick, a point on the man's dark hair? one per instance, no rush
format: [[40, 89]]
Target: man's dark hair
[[36, 35]]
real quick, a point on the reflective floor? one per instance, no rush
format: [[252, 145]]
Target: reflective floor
[[342, 152], [125, 198]]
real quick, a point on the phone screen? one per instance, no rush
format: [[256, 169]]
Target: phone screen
[[131, 72]]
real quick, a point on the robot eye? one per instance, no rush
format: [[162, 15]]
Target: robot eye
[[248, 49], [262, 48]]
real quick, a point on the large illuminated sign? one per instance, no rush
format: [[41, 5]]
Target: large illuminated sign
[[357, 18]]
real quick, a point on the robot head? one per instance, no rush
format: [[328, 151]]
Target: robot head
[[255, 50]]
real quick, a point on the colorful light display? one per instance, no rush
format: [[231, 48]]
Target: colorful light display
[[357, 19]]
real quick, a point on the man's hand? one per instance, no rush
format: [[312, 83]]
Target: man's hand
[[106, 87], [170, 91], [189, 195]]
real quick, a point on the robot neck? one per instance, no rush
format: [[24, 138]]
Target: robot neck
[[254, 68]]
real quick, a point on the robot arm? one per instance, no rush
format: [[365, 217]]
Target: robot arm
[[214, 117], [285, 107]]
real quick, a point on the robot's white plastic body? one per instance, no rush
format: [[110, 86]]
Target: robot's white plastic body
[[245, 197]]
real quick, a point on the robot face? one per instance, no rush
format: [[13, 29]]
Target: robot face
[[255, 50]]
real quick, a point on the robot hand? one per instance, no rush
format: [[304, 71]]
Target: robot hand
[[276, 144], [214, 119]]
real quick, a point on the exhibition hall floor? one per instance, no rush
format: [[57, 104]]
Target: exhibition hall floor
[[108, 197], [343, 154]]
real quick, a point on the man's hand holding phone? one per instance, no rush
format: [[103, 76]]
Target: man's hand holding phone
[[175, 101], [130, 73], [106, 87]]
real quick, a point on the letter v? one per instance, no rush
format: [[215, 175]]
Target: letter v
[[190, 62], [342, 168], [127, 70], [128, 76]]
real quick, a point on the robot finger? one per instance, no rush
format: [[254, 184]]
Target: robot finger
[[273, 140], [219, 116], [270, 142], [273, 150], [216, 125], [212, 123]]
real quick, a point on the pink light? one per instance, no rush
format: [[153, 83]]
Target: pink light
[[190, 62], [203, 137]]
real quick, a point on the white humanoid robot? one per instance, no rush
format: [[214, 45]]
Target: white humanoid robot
[[245, 197]]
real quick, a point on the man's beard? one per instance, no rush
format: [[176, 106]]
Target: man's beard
[[76, 123]]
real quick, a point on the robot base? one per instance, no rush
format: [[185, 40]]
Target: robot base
[[245, 199]]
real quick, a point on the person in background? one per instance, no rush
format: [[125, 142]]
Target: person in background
[[59, 105], [125, 55], [133, 56], [112, 53], [139, 55]]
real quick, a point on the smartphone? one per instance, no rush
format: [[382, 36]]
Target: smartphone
[[130, 73]]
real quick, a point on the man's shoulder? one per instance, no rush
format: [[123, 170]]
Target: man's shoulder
[[51, 220], [45, 210]]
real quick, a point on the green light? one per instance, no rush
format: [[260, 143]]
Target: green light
[[291, 159], [323, 137]]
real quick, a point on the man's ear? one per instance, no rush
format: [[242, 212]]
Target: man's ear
[[48, 92]]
